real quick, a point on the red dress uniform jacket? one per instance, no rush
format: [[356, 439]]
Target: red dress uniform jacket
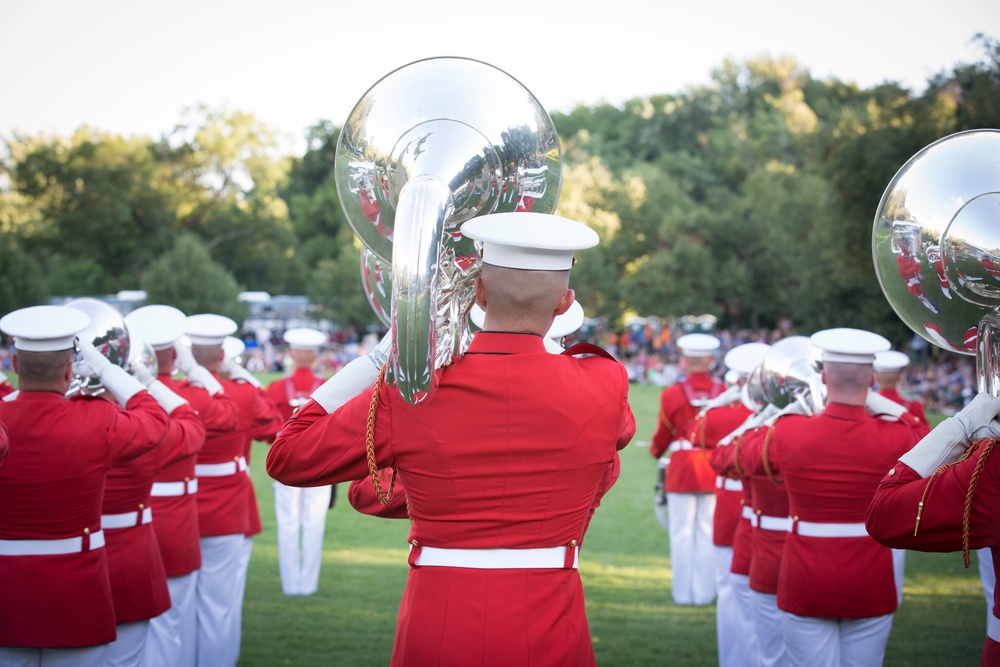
[[52, 487], [176, 515], [891, 517], [690, 470], [723, 462], [831, 464], [290, 392], [4, 442], [259, 420], [138, 578], [913, 407], [706, 431], [512, 453]]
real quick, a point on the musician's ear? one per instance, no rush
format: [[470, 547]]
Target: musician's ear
[[480, 292], [568, 297]]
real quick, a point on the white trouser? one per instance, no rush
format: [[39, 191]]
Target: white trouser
[[173, 635], [236, 638], [732, 635], [749, 652], [898, 571], [691, 558], [90, 656], [987, 577], [767, 627], [129, 648], [301, 517], [219, 598], [835, 642]]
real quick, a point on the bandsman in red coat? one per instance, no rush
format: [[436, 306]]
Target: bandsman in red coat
[[300, 513], [507, 509], [690, 480], [943, 496], [227, 512], [172, 636], [719, 418], [57, 601], [836, 588]]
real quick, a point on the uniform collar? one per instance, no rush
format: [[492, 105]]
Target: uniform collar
[[841, 411], [504, 342]]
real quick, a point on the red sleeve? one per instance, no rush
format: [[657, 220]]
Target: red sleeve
[[264, 420], [185, 437], [363, 498], [138, 428], [666, 424], [219, 413], [4, 442], [6, 388], [611, 474]]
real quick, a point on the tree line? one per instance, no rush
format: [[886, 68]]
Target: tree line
[[750, 198]]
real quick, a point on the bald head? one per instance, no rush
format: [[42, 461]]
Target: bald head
[[44, 371], [209, 356], [847, 383], [519, 300]]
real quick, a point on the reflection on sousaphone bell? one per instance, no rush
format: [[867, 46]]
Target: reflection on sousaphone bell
[[936, 246], [108, 333], [428, 147], [790, 373]]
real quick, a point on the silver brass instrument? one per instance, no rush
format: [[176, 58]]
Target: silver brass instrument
[[108, 333], [429, 146], [790, 373], [936, 247]]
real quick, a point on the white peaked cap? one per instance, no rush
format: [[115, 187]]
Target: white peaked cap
[[698, 345], [209, 329], [849, 346], [744, 358], [160, 326], [233, 347], [44, 328], [891, 360], [529, 241], [304, 338], [563, 325]]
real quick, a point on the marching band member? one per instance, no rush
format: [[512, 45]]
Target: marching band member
[[836, 588], [943, 495], [508, 509], [5, 386], [172, 636], [299, 512], [690, 480], [57, 603]]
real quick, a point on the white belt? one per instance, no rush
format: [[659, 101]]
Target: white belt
[[66, 545], [782, 523], [174, 488], [993, 628], [497, 559], [678, 445], [748, 514], [810, 529], [126, 520], [221, 469], [728, 483]]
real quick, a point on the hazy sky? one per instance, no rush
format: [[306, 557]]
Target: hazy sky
[[132, 66]]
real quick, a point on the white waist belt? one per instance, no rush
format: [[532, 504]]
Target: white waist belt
[[126, 520], [497, 559], [66, 545], [678, 445], [728, 483], [174, 488], [993, 628], [810, 529], [221, 469], [782, 523], [748, 514]]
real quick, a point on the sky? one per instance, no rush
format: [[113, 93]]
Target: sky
[[132, 67]]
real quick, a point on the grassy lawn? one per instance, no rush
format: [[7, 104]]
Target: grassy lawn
[[625, 568]]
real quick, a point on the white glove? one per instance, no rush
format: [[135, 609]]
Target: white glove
[[349, 381], [115, 379], [140, 372], [202, 377], [878, 405], [949, 439], [380, 353], [793, 408], [165, 396], [236, 372], [751, 422], [725, 398], [185, 358]]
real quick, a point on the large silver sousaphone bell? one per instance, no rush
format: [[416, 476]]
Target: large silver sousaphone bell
[[429, 146], [108, 333], [790, 373], [936, 247]]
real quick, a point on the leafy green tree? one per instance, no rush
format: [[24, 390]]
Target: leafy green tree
[[335, 288], [187, 278]]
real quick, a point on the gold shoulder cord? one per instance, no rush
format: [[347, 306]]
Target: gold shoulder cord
[[767, 464], [383, 496]]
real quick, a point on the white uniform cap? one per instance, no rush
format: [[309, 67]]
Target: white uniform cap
[[698, 345], [44, 328], [744, 358], [233, 347], [160, 326], [891, 360], [529, 241], [563, 325], [304, 338], [209, 329], [849, 346]]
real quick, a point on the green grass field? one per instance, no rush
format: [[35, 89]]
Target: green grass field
[[626, 573]]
